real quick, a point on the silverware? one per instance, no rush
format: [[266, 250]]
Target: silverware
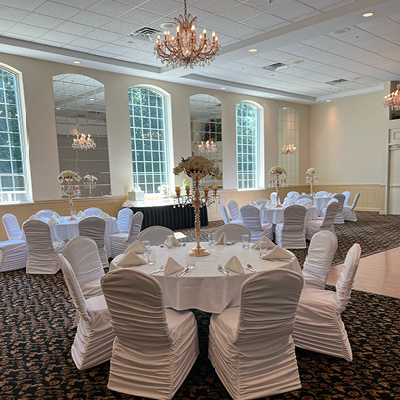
[[161, 269], [230, 243], [249, 268], [183, 272], [222, 270]]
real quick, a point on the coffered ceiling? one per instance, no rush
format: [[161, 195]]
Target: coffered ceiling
[[326, 47]]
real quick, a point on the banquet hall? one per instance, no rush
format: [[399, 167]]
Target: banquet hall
[[83, 88]]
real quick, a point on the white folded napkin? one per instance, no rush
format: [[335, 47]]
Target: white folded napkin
[[263, 207], [234, 265], [80, 214], [105, 216], [307, 204], [221, 239], [172, 266], [136, 247], [278, 253], [270, 245], [131, 259], [172, 241], [52, 221]]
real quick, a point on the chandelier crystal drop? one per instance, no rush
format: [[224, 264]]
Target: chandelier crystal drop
[[207, 147], [186, 49], [288, 149], [83, 142], [392, 100]]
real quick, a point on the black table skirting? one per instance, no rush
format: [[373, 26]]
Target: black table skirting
[[173, 218]]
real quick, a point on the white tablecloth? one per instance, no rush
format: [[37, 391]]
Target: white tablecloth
[[274, 215], [204, 287]]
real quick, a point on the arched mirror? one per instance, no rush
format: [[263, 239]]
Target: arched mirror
[[206, 131], [80, 109]]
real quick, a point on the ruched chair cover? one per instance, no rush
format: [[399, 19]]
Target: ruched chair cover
[[120, 241], [124, 219], [42, 251], [224, 214], [251, 220], [44, 214], [319, 326], [13, 255], [11, 227], [318, 262], [303, 201], [81, 252], [339, 213], [347, 195], [251, 347], [92, 212], [155, 234], [304, 196], [348, 211], [274, 198], [234, 211], [293, 193], [95, 228], [155, 348], [94, 335], [291, 234], [233, 232], [322, 193], [261, 202], [325, 223]]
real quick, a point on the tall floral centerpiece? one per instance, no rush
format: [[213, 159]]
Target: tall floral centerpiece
[[197, 167], [90, 181], [277, 179], [69, 176], [311, 179]]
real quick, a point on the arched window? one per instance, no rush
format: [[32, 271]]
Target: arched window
[[13, 177], [149, 142], [247, 145]]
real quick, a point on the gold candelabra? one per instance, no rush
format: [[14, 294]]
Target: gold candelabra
[[277, 181], [196, 201], [71, 193], [311, 179]]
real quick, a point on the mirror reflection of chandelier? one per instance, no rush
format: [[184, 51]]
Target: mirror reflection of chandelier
[[83, 142], [392, 100], [288, 149], [207, 147]]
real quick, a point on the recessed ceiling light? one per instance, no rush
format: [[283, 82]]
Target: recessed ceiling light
[[252, 50], [76, 62], [168, 25], [58, 108], [368, 14], [223, 88], [297, 62], [342, 31], [271, 97], [91, 99], [177, 73], [328, 101]]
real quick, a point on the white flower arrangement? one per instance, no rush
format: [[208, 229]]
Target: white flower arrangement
[[163, 189], [68, 176], [276, 171], [311, 171], [90, 178], [198, 165]]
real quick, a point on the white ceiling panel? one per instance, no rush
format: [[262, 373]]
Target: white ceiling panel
[[57, 10], [12, 14], [109, 7], [5, 25], [27, 30], [42, 20], [59, 37], [28, 5], [294, 11], [91, 19], [242, 12]]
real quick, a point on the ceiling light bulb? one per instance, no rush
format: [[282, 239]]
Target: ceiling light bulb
[[76, 62], [368, 14], [253, 50], [223, 88], [328, 101]]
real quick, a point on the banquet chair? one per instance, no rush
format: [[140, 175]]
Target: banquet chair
[[274, 198], [319, 326], [319, 258], [251, 220], [304, 196], [94, 335], [322, 193], [95, 228], [124, 219], [325, 223], [250, 346], [11, 227], [13, 255], [293, 193], [44, 214], [291, 233], [82, 254], [155, 234], [42, 251], [120, 241], [224, 214], [234, 212], [348, 211], [303, 201], [233, 232], [339, 219], [155, 347], [261, 202], [92, 212], [347, 195]]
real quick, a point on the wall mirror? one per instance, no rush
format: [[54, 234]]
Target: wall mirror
[[80, 108]]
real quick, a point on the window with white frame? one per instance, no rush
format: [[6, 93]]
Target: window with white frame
[[247, 145], [13, 182], [147, 108]]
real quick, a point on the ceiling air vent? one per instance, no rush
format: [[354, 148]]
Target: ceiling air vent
[[275, 67], [145, 33], [337, 82]]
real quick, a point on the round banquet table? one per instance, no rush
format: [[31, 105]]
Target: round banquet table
[[274, 215], [204, 287]]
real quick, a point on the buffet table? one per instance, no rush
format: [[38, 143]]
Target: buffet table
[[204, 287]]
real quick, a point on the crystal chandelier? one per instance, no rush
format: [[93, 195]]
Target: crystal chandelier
[[186, 48], [288, 149], [83, 142], [207, 147], [392, 100]]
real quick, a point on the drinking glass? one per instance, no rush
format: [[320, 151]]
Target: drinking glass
[[151, 255], [190, 260], [170, 241], [146, 244], [212, 239], [246, 241], [263, 248]]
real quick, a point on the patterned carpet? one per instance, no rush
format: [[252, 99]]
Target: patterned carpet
[[36, 334]]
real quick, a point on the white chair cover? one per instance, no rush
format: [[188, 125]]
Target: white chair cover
[[304, 196], [11, 227], [42, 252], [154, 348], [94, 336], [319, 326], [323, 224], [322, 193], [234, 212], [319, 259], [291, 234], [224, 214], [251, 347], [348, 211], [251, 220], [293, 194], [120, 241], [339, 213], [13, 255], [95, 228], [304, 202], [124, 219], [81, 252], [347, 195], [44, 214], [92, 212], [233, 232], [155, 234], [274, 198], [261, 202]]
